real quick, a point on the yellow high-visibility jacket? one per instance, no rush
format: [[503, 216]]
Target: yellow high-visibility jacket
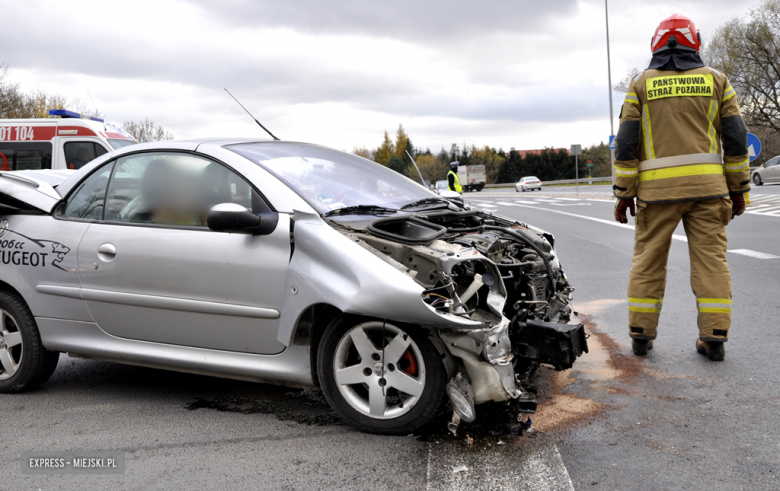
[[681, 137], [454, 183]]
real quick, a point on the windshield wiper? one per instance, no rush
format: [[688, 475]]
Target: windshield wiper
[[361, 209], [425, 201]]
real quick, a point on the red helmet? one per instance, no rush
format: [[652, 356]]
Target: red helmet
[[676, 31]]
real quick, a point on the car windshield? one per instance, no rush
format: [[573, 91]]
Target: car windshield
[[329, 179], [531, 178], [117, 143]]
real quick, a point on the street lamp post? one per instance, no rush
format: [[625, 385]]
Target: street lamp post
[[611, 111]]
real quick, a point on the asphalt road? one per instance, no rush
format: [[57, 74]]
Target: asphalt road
[[673, 420]]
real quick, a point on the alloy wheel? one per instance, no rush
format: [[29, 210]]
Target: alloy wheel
[[11, 346], [379, 370]]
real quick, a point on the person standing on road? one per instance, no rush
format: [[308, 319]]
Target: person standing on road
[[453, 179], [681, 151]]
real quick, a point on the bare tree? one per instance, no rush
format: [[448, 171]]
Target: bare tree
[[11, 97], [362, 151], [147, 131], [622, 86], [748, 52], [16, 103]]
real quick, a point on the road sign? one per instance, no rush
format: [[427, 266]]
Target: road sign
[[588, 165], [611, 142], [576, 150], [754, 146]]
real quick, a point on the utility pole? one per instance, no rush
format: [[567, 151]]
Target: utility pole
[[576, 150], [611, 111]]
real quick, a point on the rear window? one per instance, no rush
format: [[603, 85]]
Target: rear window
[[25, 155]]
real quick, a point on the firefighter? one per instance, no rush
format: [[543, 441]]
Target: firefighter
[[453, 179], [682, 153]]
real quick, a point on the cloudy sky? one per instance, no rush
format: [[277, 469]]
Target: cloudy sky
[[509, 73]]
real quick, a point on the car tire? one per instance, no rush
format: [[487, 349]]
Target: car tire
[[24, 362], [367, 404], [757, 180]]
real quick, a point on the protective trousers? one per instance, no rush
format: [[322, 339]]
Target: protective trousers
[[704, 222]]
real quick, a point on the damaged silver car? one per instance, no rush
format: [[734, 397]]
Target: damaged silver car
[[285, 263]]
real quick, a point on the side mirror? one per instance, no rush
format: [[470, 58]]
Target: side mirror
[[233, 218]]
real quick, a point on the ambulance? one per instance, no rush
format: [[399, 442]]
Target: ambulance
[[66, 141]]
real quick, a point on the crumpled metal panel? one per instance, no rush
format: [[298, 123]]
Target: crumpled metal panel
[[327, 267]]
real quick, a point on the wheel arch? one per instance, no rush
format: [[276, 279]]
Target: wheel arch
[[309, 328], [7, 287]]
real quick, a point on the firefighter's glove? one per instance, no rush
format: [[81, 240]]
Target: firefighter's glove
[[620, 210], [737, 204]]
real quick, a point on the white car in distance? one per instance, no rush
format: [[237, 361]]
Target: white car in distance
[[526, 183]]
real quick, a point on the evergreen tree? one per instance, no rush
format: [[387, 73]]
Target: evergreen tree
[[385, 151], [403, 144], [398, 164]]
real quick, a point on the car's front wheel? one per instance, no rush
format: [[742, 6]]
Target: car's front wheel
[[24, 362], [757, 180], [379, 377]]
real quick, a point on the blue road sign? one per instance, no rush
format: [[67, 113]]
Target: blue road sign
[[754, 146], [611, 142]]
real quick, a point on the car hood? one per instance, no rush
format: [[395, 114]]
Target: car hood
[[32, 189]]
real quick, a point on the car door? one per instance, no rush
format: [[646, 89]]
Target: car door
[[772, 171], [151, 269]]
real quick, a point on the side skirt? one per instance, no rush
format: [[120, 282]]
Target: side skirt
[[291, 367]]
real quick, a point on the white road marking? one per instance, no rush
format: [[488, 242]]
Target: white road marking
[[600, 220], [542, 469], [755, 254], [744, 252], [765, 204], [571, 204], [763, 210]]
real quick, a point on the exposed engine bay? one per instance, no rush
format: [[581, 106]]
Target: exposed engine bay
[[504, 277]]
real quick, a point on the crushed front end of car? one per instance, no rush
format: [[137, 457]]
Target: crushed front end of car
[[496, 285]]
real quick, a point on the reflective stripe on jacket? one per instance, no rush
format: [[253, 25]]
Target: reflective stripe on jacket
[[681, 137], [456, 181]]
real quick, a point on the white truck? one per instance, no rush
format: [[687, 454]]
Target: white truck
[[472, 177]]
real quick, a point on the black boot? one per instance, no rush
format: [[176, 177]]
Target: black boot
[[715, 350], [641, 346]]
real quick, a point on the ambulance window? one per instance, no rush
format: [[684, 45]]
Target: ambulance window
[[77, 154], [88, 200], [25, 155], [116, 143]]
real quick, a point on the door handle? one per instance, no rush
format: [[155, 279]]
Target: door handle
[[106, 252]]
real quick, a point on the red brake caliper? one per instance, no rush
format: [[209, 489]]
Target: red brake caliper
[[412, 368]]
